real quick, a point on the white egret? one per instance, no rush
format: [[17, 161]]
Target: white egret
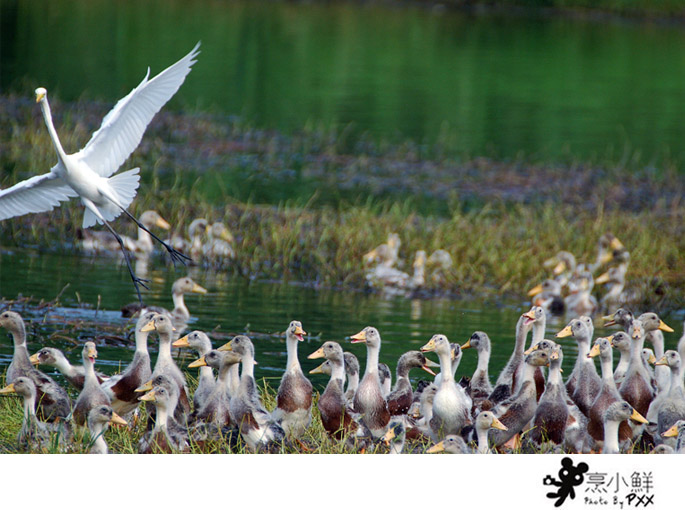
[[88, 173]]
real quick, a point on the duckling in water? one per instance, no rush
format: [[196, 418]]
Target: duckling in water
[[74, 374], [97, 241], [99, 420], [200, 343], [548, 296], [256, 425], [294, 399], [335, 416], [35, 433], [220, 244], [180, 314], [614, 415], [451, 405], [52, 401], [368, 400], [167, 436], [385, 254], [92, 394]]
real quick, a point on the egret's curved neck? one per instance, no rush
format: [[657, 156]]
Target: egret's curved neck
[[47, 116]]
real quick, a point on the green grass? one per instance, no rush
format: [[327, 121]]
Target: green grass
[[125, 439]]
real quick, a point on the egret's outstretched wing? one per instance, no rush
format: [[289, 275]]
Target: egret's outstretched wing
[[123, 127], [37, 194]]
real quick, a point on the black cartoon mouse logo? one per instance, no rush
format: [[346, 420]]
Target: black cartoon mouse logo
[[570, 476]]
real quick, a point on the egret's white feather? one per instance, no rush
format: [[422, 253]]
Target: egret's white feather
[[123, 127], [37, 194]]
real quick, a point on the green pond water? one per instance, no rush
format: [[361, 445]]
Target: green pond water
[[498, 85]]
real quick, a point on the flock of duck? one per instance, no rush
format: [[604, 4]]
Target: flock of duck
[[628, 407]]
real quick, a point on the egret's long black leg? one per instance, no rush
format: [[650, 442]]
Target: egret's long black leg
[[173, 253], [136, 281]]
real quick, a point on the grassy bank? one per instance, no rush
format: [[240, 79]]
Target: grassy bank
[[331, 199]]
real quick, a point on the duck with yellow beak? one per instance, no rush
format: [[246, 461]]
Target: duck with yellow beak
[[294, 399], [165, 365], [92, 394], [368, 399]]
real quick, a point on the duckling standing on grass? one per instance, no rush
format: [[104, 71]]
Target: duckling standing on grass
[[608, 394], [92, 394], [352, 374], [672, 408], [121, 388], [481, 388], [294, 399], [613, 416], [165, 365], [451, 405], [52, 401], [167, 436], [99, 420], [552, 413], [584, 384], [506, 380], [200, 342], [36, 434], [368, 400], [518, 410], [335, 416], [400, 399], [216, 407], [257, 428]]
